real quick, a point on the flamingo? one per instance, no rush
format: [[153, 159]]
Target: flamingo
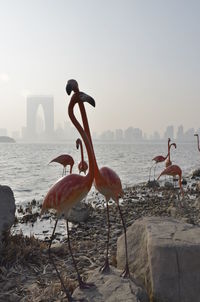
[[158, 159], [82, 166], [197, 135], [106, 181], [64, 160], [168, 161], [69, 190], [173, 170]]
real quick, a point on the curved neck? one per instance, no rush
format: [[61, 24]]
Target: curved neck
[[83, 134], [87, 130]]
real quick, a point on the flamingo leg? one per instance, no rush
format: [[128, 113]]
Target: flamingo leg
[[150, 171], [68, 295], [126, 273], [106, 268], [154, 171], [82, 284]]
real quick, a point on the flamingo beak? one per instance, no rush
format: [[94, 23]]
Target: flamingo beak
[[86, 98], [68, 88]]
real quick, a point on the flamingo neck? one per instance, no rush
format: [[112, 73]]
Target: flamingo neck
[[70, 169], [90, 175], [87, 130], [82, 156]]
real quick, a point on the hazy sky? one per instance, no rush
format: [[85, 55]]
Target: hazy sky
[[139, 59]]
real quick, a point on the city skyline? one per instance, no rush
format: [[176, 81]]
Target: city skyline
[[139, 60]]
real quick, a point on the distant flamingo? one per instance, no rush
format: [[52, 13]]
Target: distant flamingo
[[106, 181], [198, 146], [82, 166], [168, 161], [64, 160], [69, 190], [157, 159], [173, 170]]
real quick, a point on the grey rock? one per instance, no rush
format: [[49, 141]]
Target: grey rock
[[7, 211], [152, 184], [196, 173], [164, 256], [169, 185], [80, 212], [111, 288]]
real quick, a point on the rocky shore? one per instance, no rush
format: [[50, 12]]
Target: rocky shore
[[25, 271]]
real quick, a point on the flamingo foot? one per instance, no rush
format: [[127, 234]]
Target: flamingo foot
[[126, 272], [84, 285], [105, 269]]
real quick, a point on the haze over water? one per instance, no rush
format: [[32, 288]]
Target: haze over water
[[24, 167]]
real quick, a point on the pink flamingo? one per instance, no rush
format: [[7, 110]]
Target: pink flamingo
[[168, 161], [82, 166], [64, 160], [106, 181], [69, 190], [197, 135], [173, 170]]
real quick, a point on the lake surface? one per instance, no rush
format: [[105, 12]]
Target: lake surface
[[25, 168]]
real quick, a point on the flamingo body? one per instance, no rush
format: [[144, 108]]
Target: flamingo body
[[108, 184], [66, 192], [173, 170], [159, 159]]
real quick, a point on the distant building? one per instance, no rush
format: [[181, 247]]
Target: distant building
[[156, 135], [169, 132], [47, 104], [107, 135], [133, 134], [180, 133], [119, 134]]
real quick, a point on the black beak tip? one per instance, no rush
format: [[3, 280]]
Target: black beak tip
[[68, 89]]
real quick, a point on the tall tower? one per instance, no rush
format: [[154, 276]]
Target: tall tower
[[47, 103]]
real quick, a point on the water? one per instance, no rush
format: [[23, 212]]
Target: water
[[24, 167]]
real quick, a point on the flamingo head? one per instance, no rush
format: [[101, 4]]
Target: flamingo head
[[196, 134], [72, 85], [169, 140], [78, 142], [173, 144]]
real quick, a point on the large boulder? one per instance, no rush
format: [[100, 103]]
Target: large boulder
[[110, 288], [7, 211], [195, 173], [164, 254]]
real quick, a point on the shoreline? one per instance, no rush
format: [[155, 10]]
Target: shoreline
[[27, 260]]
